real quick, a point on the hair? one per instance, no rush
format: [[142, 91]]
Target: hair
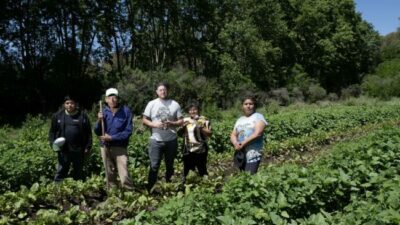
[[193, 104], [162, 83], [252, 98], [69, 98]]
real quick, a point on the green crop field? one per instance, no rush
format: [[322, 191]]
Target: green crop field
[[323, 164]]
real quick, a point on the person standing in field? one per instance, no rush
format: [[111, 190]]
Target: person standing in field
[[247, 136], [72, 126], [196, 130], [118, 128], [162, 115]]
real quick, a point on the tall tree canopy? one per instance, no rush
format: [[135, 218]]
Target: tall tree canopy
[[50, 48]]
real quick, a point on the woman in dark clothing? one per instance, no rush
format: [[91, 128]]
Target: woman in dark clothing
[[196, 130]]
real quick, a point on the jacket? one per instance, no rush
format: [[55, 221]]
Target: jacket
[[57, 129], [118, 126]]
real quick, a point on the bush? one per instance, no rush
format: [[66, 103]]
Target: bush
[[332, 97], [300, 79], [297, 95], [351, 91], [383, 88], [315, 93], [281, 96], [272, 107]]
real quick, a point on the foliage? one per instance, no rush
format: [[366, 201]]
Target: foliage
[[383, 88], [315, 93], [281, 96], [226, 47], [350, 91], [287, 194], [283, 193], [390, 48]]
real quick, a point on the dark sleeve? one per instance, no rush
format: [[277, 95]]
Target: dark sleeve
[[88, 132], [53, 130]]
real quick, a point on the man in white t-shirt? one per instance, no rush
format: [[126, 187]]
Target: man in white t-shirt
[[163, 116]]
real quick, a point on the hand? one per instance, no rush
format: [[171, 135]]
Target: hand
[[105, 138], [169, 123], [158, 124], [99, 116], [237, 146]]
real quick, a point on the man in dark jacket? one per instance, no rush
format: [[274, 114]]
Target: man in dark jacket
[[72, 124]]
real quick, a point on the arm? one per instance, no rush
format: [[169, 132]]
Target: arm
[[179, 122], [176, 123], [206, 129], [147, 121], [258, 132], [234, 140]]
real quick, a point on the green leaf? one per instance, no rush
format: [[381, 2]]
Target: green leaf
[[282, 202]]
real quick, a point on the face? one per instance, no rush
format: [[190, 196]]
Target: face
[[193, 112], [162, 92], [70, 106], [112, 101], [248, 107]]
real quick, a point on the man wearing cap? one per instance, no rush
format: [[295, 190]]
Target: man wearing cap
[[114, 141], [162, 115], [70, 135]]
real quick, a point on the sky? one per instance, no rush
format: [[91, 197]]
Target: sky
[[382, 14]]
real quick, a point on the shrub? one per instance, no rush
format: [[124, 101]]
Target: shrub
[[332, 97], [281, 96], [383, 88], [297, 95], [138, 88], [272, 107], [351, 91], [315, 93]]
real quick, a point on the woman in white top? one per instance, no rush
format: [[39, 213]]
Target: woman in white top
[[248, 134]]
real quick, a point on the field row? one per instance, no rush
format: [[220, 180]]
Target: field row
[[77, 202]]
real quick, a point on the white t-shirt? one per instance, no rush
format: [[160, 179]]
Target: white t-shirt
[[245, 127], [163, 110]]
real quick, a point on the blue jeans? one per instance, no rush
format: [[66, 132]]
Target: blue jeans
[[157, 149]]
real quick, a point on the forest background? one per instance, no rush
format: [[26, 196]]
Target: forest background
[[211, 51]]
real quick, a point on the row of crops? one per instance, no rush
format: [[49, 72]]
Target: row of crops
[[278, 195], [356, 183]]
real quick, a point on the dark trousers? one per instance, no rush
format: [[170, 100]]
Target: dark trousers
[[158, 149], [65, 159], [191, 161], [250, 167]]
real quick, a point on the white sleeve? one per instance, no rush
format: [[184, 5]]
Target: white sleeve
[[147, 110], [259, 116], [236, 124]]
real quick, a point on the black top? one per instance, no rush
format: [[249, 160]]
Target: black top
[[73, 133], [76, 129]]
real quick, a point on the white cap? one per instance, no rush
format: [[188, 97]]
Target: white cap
[[111, 91], [58, 143]]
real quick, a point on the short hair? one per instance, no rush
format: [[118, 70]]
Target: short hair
[[250, 97], [193, 104], [69, 98], [162, 83]]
